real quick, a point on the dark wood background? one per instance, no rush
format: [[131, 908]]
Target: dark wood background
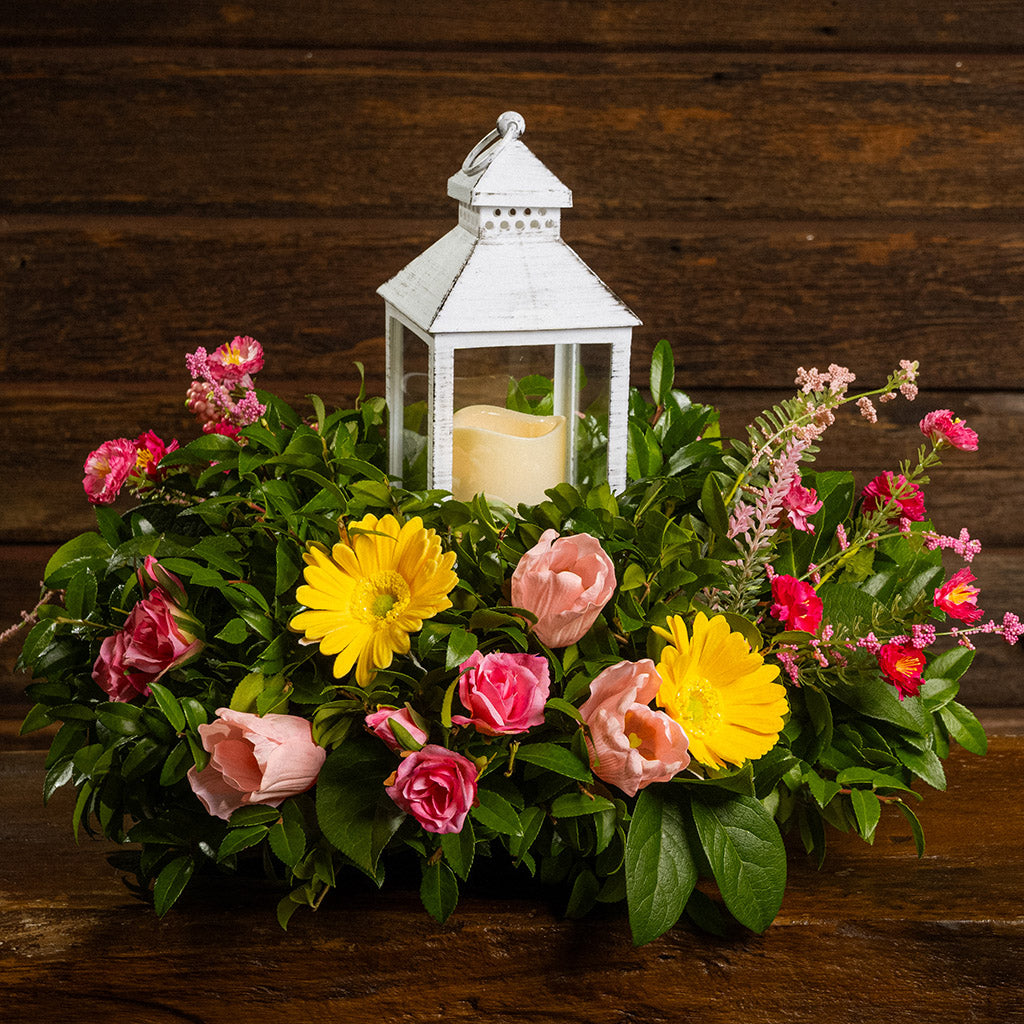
[[766, 185]]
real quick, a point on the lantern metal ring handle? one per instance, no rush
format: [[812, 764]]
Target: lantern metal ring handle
[[510, 127]]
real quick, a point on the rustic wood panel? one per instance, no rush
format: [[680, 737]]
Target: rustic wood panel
[[351, 133], [112, 299], [876, 937], [988, 25]]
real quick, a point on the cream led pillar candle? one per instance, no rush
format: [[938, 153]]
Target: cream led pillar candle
[[507, 455]]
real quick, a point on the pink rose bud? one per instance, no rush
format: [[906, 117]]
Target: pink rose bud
[[106, 470], [796, 604], [154, 639], [565, 582], [632, 745], [153, 574], [504, 693], [436, 786], [255, 760], [382, 721]]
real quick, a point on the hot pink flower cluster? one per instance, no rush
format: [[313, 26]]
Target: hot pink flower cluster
[[156, 637], [796, 604], [122, 461], [255, 760], [890, 488], [943, 430], [222, 395], [798, 503]]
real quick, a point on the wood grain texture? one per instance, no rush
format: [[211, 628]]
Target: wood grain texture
[[985, 25], [872, 937], [102, 300], [351, 133]]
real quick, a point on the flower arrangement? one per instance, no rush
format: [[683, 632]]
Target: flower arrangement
[[278, 658]]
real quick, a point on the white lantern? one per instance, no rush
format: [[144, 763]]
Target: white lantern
[[498, 287]]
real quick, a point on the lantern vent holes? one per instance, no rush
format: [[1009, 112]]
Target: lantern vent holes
[[512, 220]]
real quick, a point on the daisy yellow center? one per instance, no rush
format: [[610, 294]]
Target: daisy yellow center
[[703, 705], [380, 597]]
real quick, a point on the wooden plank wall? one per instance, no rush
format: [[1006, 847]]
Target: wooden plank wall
[[767, 185]]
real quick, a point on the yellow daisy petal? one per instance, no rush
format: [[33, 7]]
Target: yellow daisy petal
[[719, 691], [376, 586]]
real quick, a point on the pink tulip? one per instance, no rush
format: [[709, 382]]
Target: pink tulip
[[436, 786], [504, 693], [565, 582], [255, 760], [632, 745], [379, 723]]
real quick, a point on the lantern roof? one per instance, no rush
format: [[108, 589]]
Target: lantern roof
[[505, 266]]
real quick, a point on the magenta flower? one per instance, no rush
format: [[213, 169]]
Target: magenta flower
[[941, 428], [799, 503], [902, 665], [150, 449], [565, 582], [436, 786], [235, 361], [958, 599], [631, 745], [879, 493], [380, 723], [796, 604], [255, 760], [107, 468], [504, 693]]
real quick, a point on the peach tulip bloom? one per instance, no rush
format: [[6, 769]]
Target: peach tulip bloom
[[565, 582], [255, 760], [632, 745]]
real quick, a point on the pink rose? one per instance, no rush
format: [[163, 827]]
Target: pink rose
[[235, 361], [796, 604], [106, 470], [436, 786], [958, 599], [154, 639], [632, 745], [879, 493], [380, 723], [902, 665], [150, 449], [153, 574], [255, 760], [565, 582], [941, 428], [504, 693], [799, 503]]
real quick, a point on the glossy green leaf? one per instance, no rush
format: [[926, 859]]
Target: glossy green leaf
[[439, 891], [171, 882], [554, 758]]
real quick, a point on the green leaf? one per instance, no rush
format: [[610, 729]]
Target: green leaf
[[713, 506], [925, 764], [660, 870], [288, 841], [915, 826], [577, 805], [663, 372], [253, 814], [238, 839], [747, 857], [439, 891], [461, 644], [554, 758], [964, 727], [951, 664], [354, 812], [496, 813], [583, 894], [168, 704], [80, 594], [87, 550], [171, 882], [235, 632], [867, 809], [459, 848]]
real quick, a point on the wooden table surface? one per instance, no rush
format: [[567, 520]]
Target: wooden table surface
[[877, 935]]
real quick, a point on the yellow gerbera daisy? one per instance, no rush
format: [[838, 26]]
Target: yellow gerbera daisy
[[719, 691], [372, 590]]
